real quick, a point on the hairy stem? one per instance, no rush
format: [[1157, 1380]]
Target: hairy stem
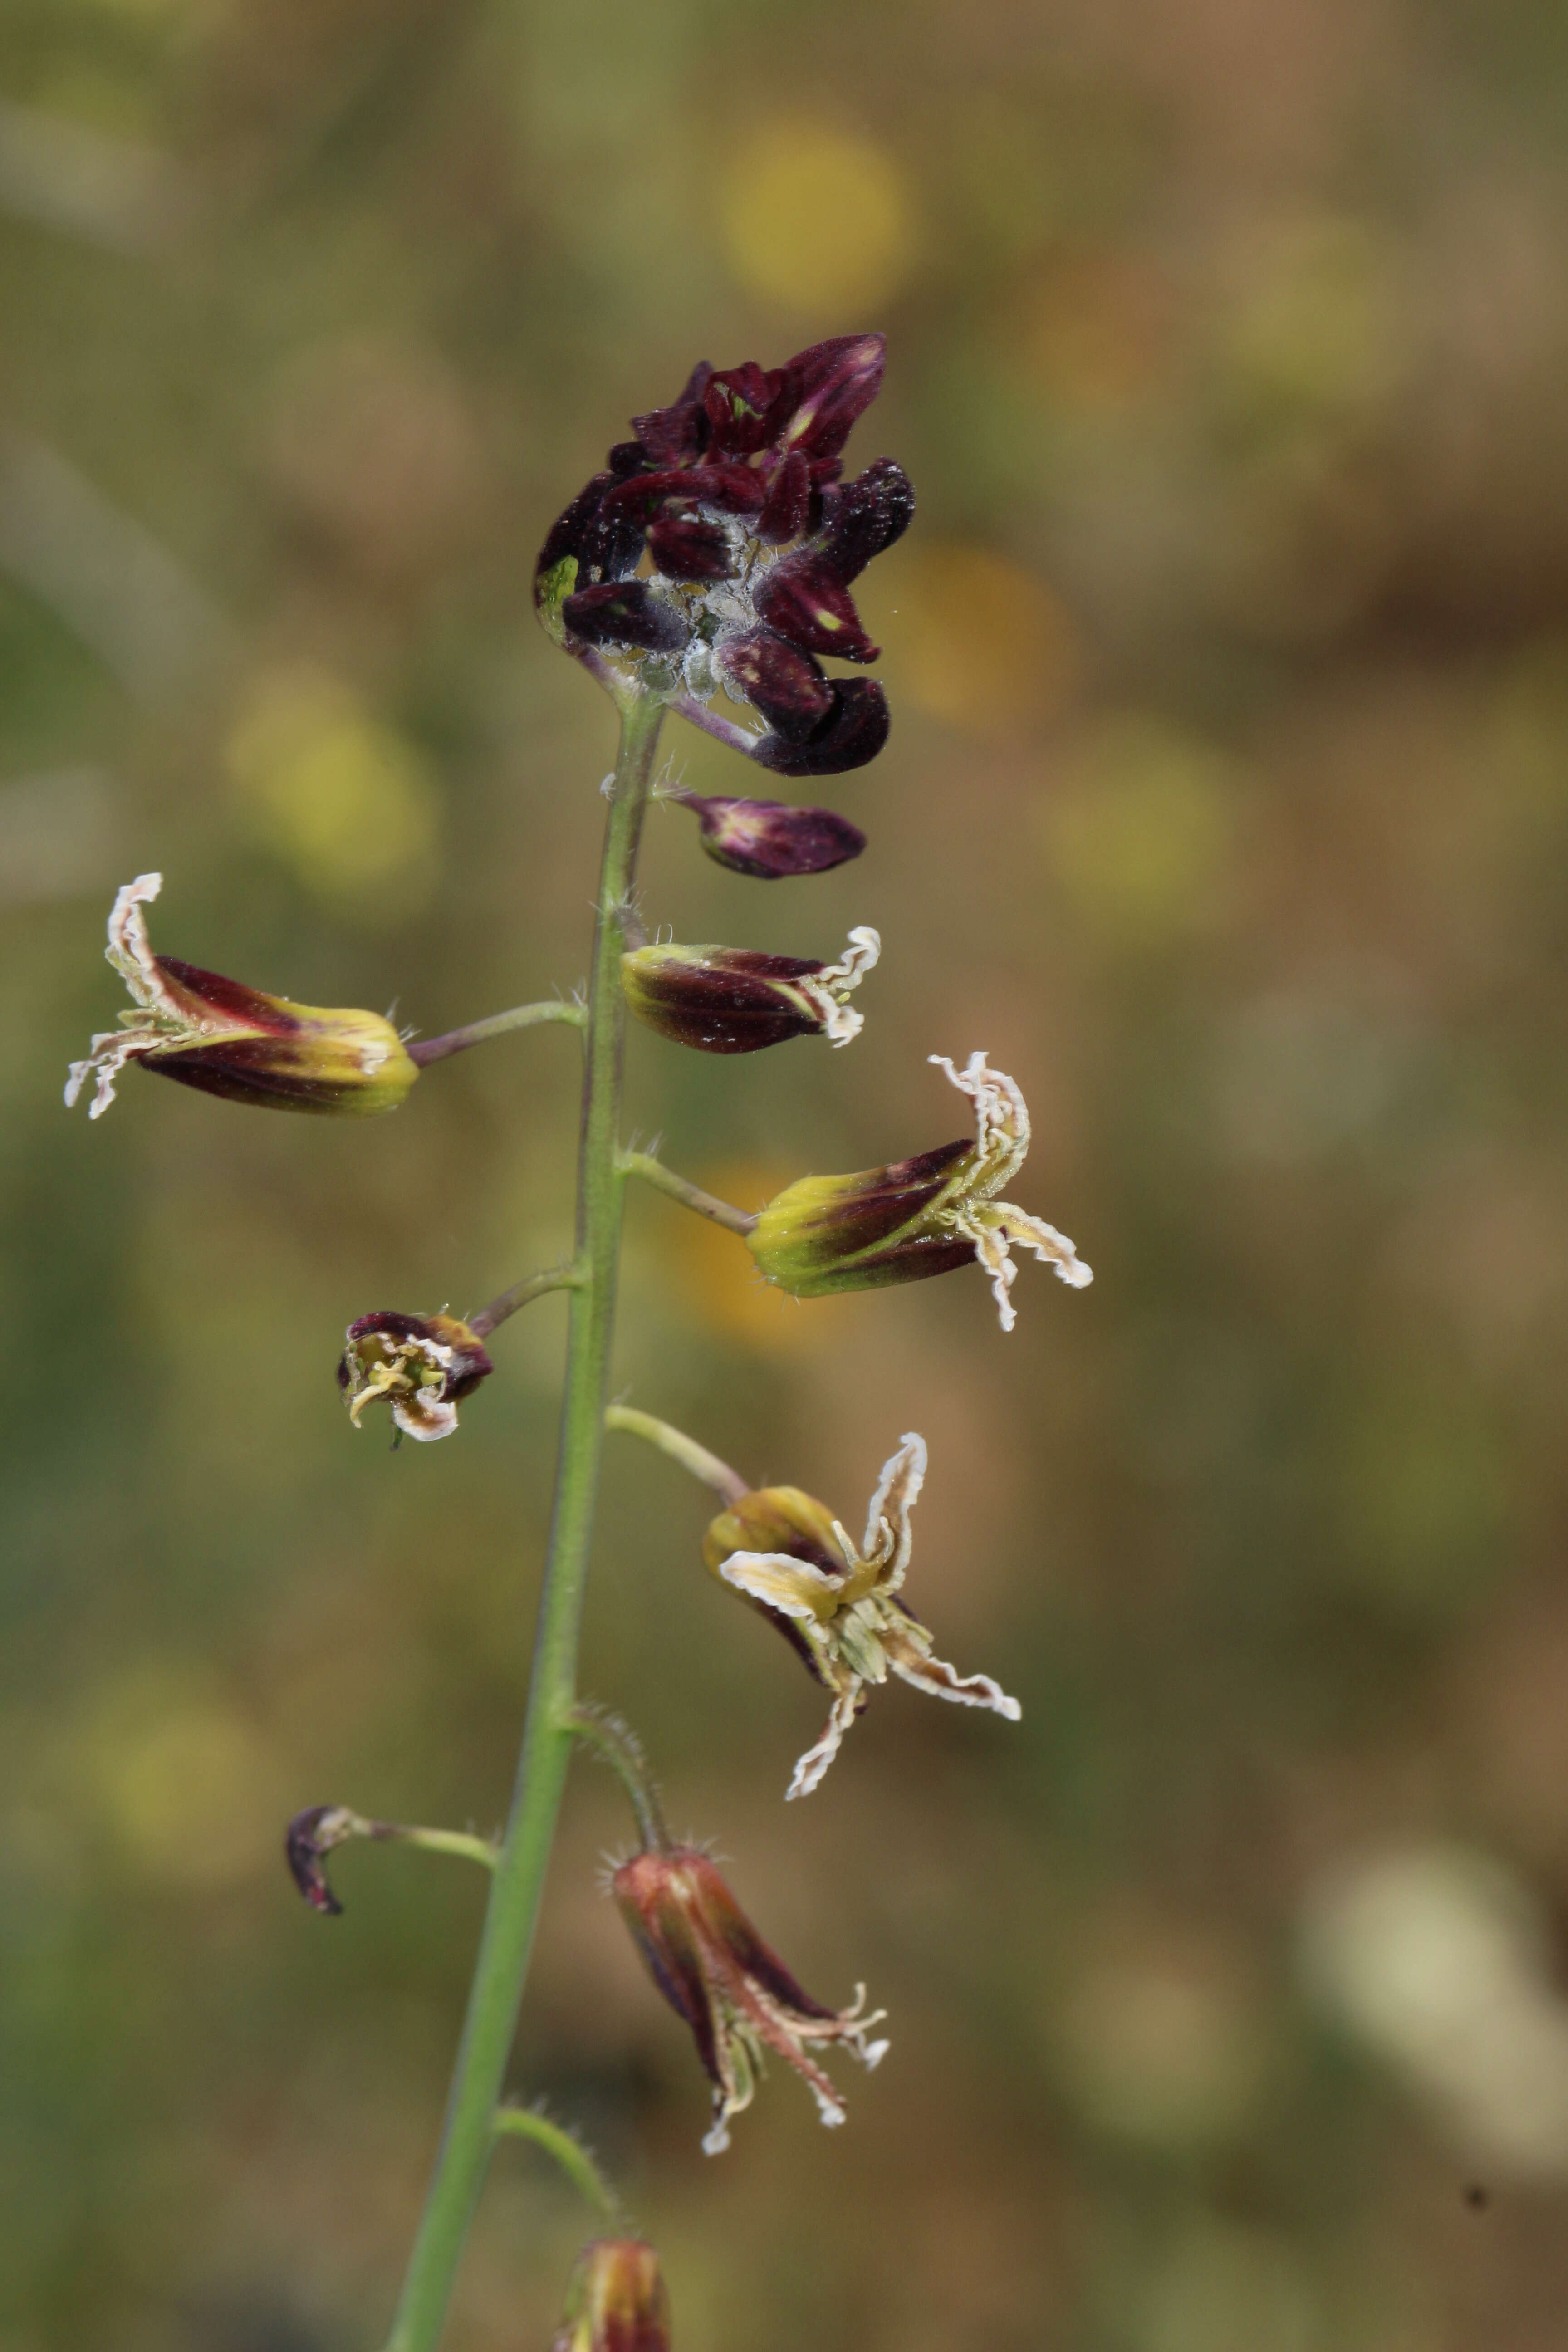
[[501, 1968], [532, 1286], [526, 2123], [681, 1188], [618, 1746], [680, 1448], [521, 1016]]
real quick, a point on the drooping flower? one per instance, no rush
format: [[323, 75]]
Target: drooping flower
[[839, 1602], [732, 495], [736, 1000], [616, 2301], [422, 1365], [230, 1040], [920, 1216], [737, 1996], [309, 1839], [768, 839]]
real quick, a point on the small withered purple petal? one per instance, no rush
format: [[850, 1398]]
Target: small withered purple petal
[[305, 1848], [853, 733], [769, 840], [624, 612]]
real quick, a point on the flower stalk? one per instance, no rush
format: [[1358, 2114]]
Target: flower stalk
[[549, 1732], [424, 1050], [681, 1188]]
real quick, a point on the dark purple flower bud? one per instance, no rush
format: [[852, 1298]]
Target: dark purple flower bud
[[836, 382], [625, 612], [309, 1839], [806, 601], [861, 520], [733, 490], [684, 548], [737, 1000], [617, 2302], [677, 434], [768, 839], [743, 406], [785, 684], [788, 507], [853, 733]]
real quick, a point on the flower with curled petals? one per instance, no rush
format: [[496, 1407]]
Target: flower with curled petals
[[738, 1000], [227, 1039], [737, 1996], [423, 1365], [920, 1216], [716, 551], [839, 1602]]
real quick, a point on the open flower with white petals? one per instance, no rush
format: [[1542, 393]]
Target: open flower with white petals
[[423, 1365], [922, 1216], [839, 1602], [227, 1039]]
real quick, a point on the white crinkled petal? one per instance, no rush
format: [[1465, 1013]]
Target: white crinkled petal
[[826, 989], [1001, 1117], [814, 1764], [424, 1417], [1051, 1247], [111, 1049], [990, 1243], [780, 1581], [939, 1680], [897, 1492]]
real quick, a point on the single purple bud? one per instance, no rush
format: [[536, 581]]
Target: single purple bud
[[616, 2301], [836, 383], [684, 548], [226, 1039], [423, 1365], [746, 405], [309, 1839], [785, 684], [788, 510], [768, 839], [862, 519], [733, 1993], [736, 1001], [625, 612], [853, 733], [806, 601]]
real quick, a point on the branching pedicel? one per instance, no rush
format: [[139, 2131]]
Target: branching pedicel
[[715, 554]]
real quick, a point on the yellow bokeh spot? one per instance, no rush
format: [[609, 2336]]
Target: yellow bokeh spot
[[339, 795], [816, 218], [1141, 833], [972, 639], [1317, 329]]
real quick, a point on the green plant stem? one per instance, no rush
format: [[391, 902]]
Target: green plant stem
[[532, 1286], [521, 1016], [461, 1842], [526, 2123], [679, 1448], [681, 1188], [501, 1968], [619, 1746]]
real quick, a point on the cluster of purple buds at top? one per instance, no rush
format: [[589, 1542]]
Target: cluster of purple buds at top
[[716, 553], [421, 1365], [920, 1216], [737, 1996], [737, 1000], [616, 2301], [840, 1603], [227, 1039]]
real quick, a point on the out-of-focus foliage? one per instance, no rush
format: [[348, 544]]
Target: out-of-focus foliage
[[1227, 805]]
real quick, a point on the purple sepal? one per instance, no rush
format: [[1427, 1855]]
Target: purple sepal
[[788, 509], [687, 549], [861, 520], [305, 1848], [837, 381], [804, 600]]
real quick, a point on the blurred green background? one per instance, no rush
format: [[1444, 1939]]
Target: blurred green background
[[1227, 805]]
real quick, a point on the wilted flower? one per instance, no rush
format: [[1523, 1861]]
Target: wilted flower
[[919, 1216], [733, 496], [422, 1365], [839, 1604], [309, 1839], [737, 1996], [768, 839], [229, 1040], [737, 1000], [616, 2301]]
